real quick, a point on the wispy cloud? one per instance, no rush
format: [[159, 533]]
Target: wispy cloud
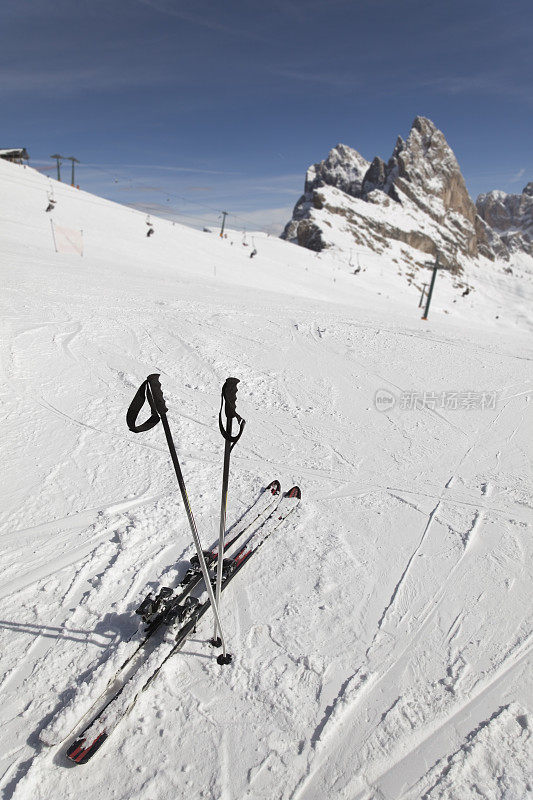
[[254, 202], [260, 202], [301, 9], [164, 168], [486, 83], [140, 188], [71, 81], [204, 20], [337, 80], [518, 176], [497, 179]]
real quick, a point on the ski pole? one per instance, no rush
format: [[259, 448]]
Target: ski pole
[[229, 397], [151, 391]]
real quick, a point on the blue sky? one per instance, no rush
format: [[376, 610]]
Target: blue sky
[[191, 107]]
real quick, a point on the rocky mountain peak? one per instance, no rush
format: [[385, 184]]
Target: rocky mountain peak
[[375, 177], [344, 168], [398, 147], [423, 181], [424, 168], [427, 148], [511, 216]]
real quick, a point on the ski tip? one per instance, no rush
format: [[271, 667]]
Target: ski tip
[[295, 492], [78, 753], [274, 487]]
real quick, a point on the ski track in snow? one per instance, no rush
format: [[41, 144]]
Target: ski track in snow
[[355, 690], [382, 641]]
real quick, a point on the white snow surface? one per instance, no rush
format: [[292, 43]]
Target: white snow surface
[[382, 638]]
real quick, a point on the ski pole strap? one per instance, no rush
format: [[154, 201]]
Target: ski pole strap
[[229, 397], [150, 390]]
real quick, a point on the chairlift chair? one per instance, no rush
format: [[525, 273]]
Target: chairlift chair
[[51, 201]]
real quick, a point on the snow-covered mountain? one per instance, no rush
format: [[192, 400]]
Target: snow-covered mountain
[[511, 216], [382, 641], [418, 198]]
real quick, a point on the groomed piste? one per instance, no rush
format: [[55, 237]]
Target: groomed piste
[[381, 641]]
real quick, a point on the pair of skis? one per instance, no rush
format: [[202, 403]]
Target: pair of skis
[[177, 612], [172, 615]]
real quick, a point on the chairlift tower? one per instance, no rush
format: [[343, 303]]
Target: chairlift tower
[[224, 215], [58, 160], [436, 266], [74, 161]]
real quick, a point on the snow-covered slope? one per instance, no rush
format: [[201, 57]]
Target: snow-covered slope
[[382, 640]]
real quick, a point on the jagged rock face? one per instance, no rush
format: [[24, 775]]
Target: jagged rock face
[[376, 176], [425, 170], [310, 236], [344, 168], [511, 216], [427, 162], [422, 179]]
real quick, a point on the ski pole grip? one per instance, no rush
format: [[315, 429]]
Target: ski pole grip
[[229, 394], [228, 402], [157, 394], [149, 390]]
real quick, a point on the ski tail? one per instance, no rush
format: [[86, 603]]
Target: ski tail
[[80, 754], [274, 487], [286, 505], [268, 496]]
